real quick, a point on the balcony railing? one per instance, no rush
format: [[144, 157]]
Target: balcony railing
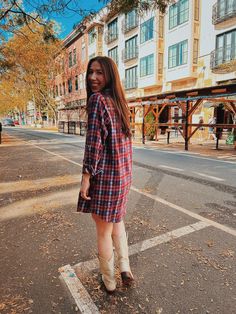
[[222, 56], [110, 37], [130, 84], [128, 26], [219, 16], [129, 54]]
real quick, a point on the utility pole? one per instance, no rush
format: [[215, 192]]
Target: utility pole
[[186, 125], [0, 133]]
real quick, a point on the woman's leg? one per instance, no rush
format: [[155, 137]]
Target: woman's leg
[[105, 252], [118, 228], [121, 246], [104, 239]]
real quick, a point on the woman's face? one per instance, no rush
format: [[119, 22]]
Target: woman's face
[[96, 78]]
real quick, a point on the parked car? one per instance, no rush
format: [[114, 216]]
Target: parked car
[[16, 122], [8, 122]]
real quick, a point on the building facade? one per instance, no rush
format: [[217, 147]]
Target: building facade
[[191, 46]]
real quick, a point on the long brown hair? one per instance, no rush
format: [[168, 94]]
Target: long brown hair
[[116, 92]]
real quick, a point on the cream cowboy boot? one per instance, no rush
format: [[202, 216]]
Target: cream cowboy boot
[[108, 273], [121, 247]]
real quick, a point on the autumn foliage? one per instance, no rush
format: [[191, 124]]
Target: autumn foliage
[[26, 62]]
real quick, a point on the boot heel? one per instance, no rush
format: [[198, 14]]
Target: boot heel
[[127, 278]]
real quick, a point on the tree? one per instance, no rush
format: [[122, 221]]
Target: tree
[[124, 6], [27, 60], [13, 13]]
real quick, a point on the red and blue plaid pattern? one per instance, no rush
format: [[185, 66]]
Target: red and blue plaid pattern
[[108, 158]]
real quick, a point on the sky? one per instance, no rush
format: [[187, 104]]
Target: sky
[[68, 19]]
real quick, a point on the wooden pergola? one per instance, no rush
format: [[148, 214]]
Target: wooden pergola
[[188, 101]]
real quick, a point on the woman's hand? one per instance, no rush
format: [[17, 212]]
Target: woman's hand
[[85, 184]]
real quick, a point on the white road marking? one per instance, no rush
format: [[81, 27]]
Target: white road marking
[[80, 295], [171, 168], [161, 200], [187, 212], [78, 292], [208, 176], [54, 154], [149, 243], [188, 154]]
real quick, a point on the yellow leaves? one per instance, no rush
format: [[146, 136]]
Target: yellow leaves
[[31, 58]]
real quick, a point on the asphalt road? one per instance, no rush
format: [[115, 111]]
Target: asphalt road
[[181, 221]]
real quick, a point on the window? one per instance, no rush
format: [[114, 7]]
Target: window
[[60, 89], [131, 79], [160, 63], [147, 65], [178, 13], [147, 30], [183, 11], [131, 48], [173, 16], [92, 56], [161, 26], [69, 82], [64, 88], [226, 47], [113, 53], [74, 56], [225, 7], [63, 65], [76, 83], [131, 20], [112, 30], [195, 51], [178, 54], [82, 80], [91, 36], [70, 59], [57, 91], [83, 53]]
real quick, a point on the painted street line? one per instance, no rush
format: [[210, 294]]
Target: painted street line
[[171, 168], [187, 154], [57, 155], [187, 212], [163, 201], [208, 176], [78, 292], [149, 243]]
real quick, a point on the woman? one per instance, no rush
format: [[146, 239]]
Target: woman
[[107, 167]]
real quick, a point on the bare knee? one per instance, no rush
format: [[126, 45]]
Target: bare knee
[[103, 228], [118, 228]]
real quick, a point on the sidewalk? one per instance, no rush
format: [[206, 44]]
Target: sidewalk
[[207, 147]]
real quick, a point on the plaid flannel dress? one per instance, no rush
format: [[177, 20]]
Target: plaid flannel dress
[[108, 159]]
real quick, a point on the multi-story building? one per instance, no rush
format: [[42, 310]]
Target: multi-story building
[[191, 46], [218, 43], [68, 79]]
